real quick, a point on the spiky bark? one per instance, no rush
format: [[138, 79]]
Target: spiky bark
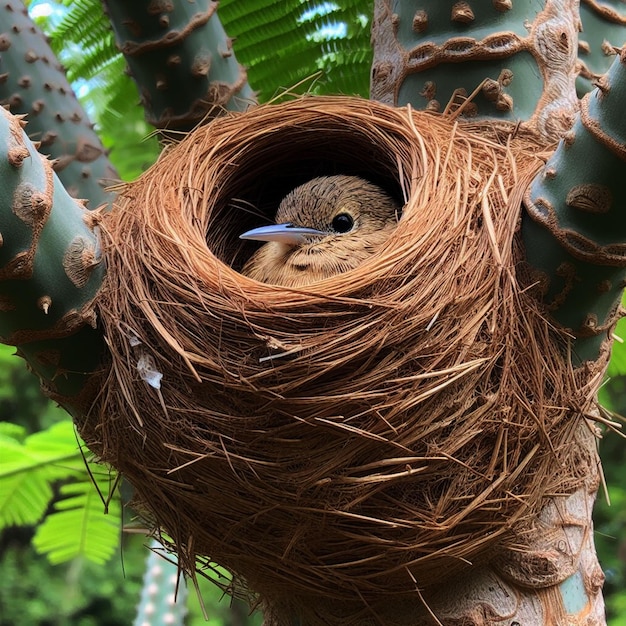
[[603, 33], [575, 226], [181, 59], [50, 270], [33, 82], [502, 60], [524, 71]]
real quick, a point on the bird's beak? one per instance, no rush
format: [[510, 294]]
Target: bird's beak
[[283, 233]]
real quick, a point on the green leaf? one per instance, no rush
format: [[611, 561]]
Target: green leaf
[[80, 527], [59, 448], [14, 432], [24, 491], [617, 366], [29, 465], [286, 43]]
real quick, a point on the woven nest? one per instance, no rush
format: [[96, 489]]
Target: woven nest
[[378, 430]]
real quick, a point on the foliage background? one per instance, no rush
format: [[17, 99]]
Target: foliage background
[[324, 48]]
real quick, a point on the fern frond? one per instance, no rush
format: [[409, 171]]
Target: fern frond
[[284, 43], [24, 492], [93, 60], [11, 432], [28, 467], [79, 526], [83, 21]]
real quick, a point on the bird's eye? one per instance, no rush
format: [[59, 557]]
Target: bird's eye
[[342, 223]]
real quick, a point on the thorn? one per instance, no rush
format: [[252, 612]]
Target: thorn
[[462, 13], [16, 156], [602, 84], [502, 5], [44, 303], [420, 21]]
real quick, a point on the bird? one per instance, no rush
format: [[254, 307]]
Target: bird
[[326, 226]]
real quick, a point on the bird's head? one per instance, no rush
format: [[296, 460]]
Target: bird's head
[[324, 227]]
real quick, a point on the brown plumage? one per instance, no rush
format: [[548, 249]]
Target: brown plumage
[[326, 226]]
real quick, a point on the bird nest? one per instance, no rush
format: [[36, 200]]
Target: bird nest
[[371, 433]]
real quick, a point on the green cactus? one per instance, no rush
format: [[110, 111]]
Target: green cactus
[[164, 592], [181, 59], [500, 60], [50, 269], [34, 83], [601, 37], [575, 224], [573, 228]]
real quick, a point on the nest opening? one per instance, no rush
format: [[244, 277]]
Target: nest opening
[[267, 170], [348, 439]]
